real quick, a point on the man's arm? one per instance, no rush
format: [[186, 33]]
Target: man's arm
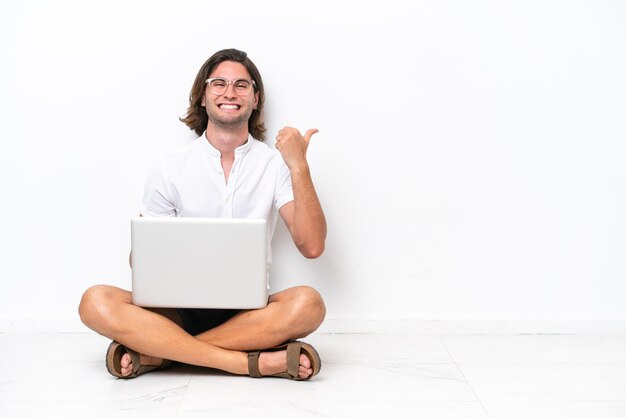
[[303, 216]]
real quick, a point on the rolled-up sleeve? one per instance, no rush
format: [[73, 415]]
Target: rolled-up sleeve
[[284, 189], [158, 198]]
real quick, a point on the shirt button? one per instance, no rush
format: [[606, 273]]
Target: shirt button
[[220, 172]]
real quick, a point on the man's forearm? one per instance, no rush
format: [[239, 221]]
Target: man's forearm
[[309, 221]]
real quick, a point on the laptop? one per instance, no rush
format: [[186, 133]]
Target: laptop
[[199, 263]]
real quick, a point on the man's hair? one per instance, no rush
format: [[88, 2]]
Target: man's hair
[[196, 117]]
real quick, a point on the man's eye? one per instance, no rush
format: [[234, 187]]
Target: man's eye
[[218, 83]]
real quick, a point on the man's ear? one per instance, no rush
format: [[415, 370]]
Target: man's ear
[[203, 103], [256, 100]]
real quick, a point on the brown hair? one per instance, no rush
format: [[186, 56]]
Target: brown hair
[[196, 117]]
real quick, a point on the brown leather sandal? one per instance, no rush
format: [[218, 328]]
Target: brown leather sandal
[[114, 359], [294, 349]]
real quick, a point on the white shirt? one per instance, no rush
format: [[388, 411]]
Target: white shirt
[[191, 183]]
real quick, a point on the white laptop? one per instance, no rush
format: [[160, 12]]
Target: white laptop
[[199, 262]]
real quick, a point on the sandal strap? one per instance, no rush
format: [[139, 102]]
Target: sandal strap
[[293, 358], [253, 364], [145, 368], [136, 360]]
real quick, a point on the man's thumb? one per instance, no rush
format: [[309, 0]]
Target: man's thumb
[[308, 134]]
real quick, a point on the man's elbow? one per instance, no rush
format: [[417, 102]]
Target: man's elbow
[[312, 251]]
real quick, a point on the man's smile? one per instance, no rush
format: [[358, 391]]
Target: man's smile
[[229, 106]]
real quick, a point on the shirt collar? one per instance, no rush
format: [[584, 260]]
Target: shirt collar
[[243, 149], [240, 150]]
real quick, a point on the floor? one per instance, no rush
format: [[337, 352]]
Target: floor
[[63, 375]]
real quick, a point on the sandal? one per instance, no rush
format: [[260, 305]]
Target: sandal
[[294, 349], [114, 359]]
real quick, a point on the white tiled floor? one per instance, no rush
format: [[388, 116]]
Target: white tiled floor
[[63, 375]]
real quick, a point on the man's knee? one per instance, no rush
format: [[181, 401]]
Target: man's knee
[[307, 309], [95, 305]]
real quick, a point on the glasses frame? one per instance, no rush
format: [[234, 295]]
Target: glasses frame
[[228, 83]]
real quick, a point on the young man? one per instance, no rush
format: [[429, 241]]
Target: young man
[[226, 172]]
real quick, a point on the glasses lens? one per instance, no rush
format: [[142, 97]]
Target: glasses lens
[[219, 85], [242, 86]]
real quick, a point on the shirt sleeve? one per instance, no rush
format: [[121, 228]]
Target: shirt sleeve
[[284, 189], [158, 200]]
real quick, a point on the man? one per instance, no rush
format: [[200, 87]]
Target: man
[[211, 178]]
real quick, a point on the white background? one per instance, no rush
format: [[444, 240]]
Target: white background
[[469, 160]]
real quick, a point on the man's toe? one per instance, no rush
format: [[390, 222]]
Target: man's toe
[[303, 372], [125, 361], [305, 361]]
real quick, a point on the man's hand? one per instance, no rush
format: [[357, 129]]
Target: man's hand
[[293, 146]]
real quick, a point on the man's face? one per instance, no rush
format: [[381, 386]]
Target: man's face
[[229, 108]]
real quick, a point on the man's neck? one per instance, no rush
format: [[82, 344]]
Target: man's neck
[[226, 140]]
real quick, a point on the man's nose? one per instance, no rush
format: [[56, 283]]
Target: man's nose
[[230, 89]]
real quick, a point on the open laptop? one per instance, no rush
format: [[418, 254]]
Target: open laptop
[[199, 262]]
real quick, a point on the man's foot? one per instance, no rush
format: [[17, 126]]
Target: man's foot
[[274, 362], [293, 360], [126, 363]]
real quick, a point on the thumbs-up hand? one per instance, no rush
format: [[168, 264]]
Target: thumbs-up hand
[[292, 145]]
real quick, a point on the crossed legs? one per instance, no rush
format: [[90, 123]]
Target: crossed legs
[[290, 314]]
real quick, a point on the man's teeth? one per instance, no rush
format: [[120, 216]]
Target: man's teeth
[[229, 106]]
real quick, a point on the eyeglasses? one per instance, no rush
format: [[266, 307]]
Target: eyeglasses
[[241, 86]]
